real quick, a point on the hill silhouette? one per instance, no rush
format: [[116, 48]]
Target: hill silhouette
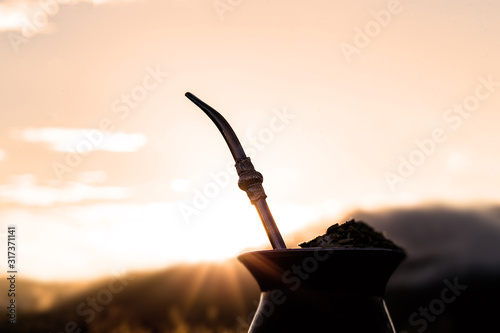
[[443, 244]]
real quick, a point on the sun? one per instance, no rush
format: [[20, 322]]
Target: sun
[[224, 232]]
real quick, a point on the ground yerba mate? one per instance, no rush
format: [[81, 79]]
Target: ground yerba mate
[[356, 234]]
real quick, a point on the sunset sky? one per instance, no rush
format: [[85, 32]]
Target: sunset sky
[[106, 166]]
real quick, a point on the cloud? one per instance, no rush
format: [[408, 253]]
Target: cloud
[[32, 17], [22, 190], [3, 155], [82, 140], [180, 185], [13, 15], [97, 238], [90, 177]]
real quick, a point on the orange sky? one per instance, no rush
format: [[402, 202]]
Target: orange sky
[[105, 165]]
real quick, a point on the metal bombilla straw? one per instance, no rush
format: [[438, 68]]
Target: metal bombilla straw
[[250, 180]]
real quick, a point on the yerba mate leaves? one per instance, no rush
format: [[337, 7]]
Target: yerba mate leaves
[[351, 234]]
